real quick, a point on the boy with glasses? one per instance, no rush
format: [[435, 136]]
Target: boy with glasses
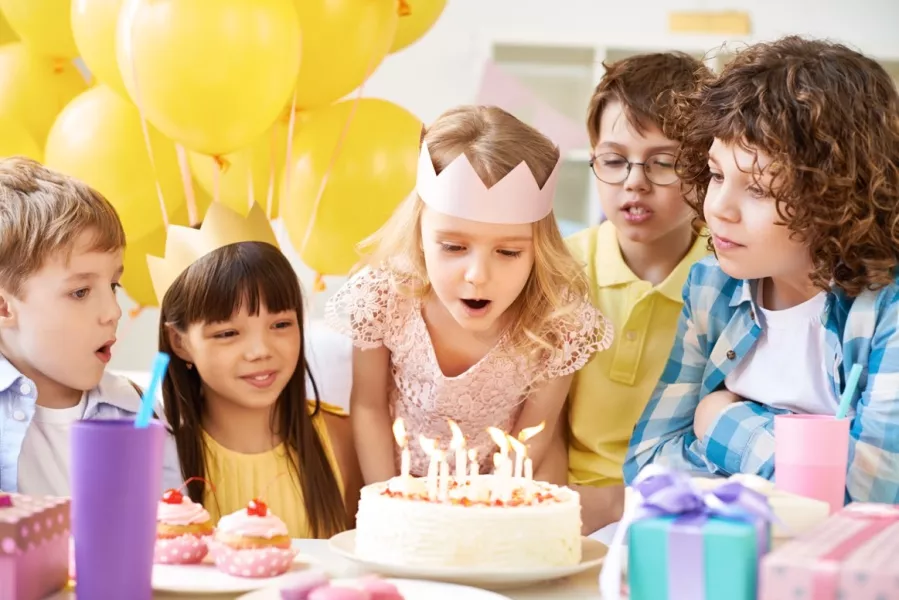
[[637, 262]]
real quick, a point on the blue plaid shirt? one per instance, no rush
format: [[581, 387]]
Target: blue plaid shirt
[[717, 328]]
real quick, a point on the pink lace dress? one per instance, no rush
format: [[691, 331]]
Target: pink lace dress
[[489, 393]]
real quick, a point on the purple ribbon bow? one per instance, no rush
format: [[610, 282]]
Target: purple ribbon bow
[[670, 493]]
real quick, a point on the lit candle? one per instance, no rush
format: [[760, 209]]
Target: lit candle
[[399, 433], [443, 486], [499, 464], [502, 467], [520, 455], [429, 447], [529, 432], [473, 465], [523, 436], [457, 444]]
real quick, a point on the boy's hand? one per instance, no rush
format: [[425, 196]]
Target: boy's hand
[[709, 408]]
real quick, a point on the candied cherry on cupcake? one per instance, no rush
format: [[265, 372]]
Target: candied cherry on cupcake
[[183, 528], [252, 542]]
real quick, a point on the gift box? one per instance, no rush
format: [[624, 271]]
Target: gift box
[[854, 555], [685, 543], [34, 546]]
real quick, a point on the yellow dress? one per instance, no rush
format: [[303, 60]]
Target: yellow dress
[[238, 478]]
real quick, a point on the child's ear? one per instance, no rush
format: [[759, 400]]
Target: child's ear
[[177, 342], [7, 312]]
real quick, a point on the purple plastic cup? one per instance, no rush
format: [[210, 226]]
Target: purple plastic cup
[[116, 472]]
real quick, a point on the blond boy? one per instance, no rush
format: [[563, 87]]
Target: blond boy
[[61, 246]]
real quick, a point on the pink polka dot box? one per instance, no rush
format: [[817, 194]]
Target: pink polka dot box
[[34, 546]]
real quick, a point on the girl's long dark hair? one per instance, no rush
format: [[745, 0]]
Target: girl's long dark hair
[[252, 275]]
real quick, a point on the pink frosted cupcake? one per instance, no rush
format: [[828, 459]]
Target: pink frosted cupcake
[[252, 543], [183, 529]]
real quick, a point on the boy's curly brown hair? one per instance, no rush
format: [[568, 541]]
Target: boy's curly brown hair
[[828, 117]]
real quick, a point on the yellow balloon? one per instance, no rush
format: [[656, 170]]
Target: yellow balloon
[[94, 27], [6, 33], [42, 24], [33, 89], [98, 139], [374, 171], [212, 74], [260, 163], [136, 278], [16, 141], [343, 41], [418, 17]]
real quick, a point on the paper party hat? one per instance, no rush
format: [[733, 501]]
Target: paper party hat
[[221, 227], [459, 192]]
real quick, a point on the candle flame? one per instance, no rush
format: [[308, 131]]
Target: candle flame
[[473, 454], [399, 432], [519, 447], [500, 439], [458, 440], [529, 432], [428, 446]]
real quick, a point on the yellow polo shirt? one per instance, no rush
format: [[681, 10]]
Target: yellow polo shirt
[[609, 394]]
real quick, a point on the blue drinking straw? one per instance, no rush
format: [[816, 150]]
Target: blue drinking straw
[[160, 364], [849, 392]]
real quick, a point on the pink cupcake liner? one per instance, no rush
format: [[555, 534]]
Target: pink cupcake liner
[[252, 562], [183, 550]]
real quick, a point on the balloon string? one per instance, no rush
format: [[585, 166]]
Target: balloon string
[[272, 151], [187, 182], [291, 123], [334, 155], [129, 49], [251, 192]]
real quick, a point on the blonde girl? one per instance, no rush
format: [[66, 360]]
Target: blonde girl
[[469, 308]]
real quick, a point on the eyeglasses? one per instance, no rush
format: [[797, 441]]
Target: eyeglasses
[[614, 169]]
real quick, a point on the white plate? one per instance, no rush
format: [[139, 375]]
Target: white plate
[[206, 578], [409, 588], [592, 554]]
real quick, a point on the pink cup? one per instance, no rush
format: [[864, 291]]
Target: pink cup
[[811, 455]]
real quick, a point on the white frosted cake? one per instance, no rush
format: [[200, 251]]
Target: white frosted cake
[[488, 522]]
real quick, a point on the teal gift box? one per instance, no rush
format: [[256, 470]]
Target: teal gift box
[[684, 543], [684, 558]]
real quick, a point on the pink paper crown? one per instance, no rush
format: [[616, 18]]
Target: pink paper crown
[[459, 192]]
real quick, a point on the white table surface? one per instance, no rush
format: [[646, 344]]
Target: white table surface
[[584, 586]]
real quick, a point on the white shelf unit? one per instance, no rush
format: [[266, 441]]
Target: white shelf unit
[[565, 74]]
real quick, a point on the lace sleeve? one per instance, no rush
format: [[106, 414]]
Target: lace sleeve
[[587, 332], [359, 309]]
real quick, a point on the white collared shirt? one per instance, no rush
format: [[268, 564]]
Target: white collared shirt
[[22, 445]]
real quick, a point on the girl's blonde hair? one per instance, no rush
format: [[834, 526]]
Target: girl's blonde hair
[[495, 142]]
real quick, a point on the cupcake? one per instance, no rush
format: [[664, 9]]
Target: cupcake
[[183, 528], [252, 542]]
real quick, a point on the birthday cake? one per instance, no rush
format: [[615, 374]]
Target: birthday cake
[[485, 521]]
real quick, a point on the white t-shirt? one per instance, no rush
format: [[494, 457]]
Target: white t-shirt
[[44, 460], [786, 368]]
